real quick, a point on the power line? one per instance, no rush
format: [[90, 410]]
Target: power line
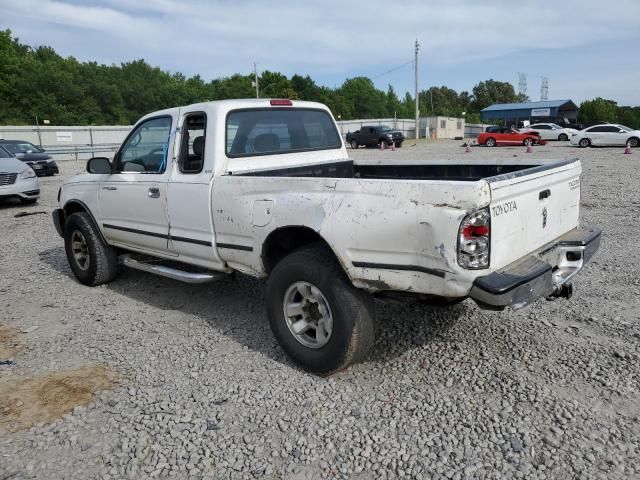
[[392, 70]]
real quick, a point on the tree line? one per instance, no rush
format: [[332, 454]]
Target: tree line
[[36, 81]]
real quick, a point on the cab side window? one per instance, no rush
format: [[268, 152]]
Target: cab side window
[[146, 148], [193, 143]]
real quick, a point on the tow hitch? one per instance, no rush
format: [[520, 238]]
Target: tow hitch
[[563, 291]]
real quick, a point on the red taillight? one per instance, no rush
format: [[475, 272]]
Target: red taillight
[[473, 240], [281, 103], [475, 231]]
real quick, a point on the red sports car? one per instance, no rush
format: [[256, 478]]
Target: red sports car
[[508, 136]]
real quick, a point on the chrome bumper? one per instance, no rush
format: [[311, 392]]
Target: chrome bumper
[[543, 274]]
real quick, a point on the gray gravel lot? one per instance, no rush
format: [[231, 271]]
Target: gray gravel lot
[[550, 391]]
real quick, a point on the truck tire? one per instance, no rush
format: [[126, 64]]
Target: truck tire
[[92, 261], [354, 144], [319, 318]]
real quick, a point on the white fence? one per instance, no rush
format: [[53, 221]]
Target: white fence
[[66, 142]]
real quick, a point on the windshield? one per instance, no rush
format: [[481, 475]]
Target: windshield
[[555, 125], [4, 153], [24, 147], [385, 129], [626, 129]]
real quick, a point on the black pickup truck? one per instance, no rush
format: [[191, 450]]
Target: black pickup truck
[[372, 136]]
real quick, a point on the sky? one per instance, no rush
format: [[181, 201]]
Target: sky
[[586, 48]]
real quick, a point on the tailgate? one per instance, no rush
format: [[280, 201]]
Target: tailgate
[[531, 208]]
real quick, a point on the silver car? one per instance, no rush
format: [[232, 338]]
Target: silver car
[[17, 179]]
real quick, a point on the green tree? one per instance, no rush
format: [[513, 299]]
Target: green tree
[[598, 110], [492, 91]]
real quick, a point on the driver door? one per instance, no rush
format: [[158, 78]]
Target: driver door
[[133, 199]]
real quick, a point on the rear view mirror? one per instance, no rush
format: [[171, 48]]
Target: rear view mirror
[[99, 165]]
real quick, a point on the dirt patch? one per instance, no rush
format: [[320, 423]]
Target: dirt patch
[[9, 344], [25, 403]]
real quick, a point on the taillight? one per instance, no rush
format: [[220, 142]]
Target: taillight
[[474, 240], [281, 103]]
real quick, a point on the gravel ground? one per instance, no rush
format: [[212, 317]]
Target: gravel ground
[[550, 391]]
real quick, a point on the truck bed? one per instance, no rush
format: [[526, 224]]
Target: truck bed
[[453, 170]]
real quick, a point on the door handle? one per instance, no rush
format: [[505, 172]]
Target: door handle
[[154, 192], [110, 188], [544, 194]]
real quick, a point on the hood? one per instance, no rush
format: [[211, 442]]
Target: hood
[[33, 157], [12, 165]]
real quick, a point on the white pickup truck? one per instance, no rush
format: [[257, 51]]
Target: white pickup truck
[[266, 188]]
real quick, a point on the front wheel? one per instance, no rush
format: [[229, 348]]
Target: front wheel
[[491, 142], [584, 142], [563, 137], [354, 144], [318, 317], [634, 142], [92, 261], [528, 142]]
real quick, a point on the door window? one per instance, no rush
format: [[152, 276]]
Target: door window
[[193, 143], [145, 150]]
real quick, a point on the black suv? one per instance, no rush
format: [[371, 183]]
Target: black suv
[[372, 136], [34, 156]]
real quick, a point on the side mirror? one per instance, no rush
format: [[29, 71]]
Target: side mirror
[[99, 165]]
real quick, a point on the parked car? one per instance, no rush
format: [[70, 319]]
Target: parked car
[[611, 134], [17, 180], [35, 157], [266, 188], [372, 136], [507, 136], [551, 131]]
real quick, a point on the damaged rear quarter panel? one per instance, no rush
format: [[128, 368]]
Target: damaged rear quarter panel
[[366, 221]]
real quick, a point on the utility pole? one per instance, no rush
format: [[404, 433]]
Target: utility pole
[[255, 76], [417, 109]]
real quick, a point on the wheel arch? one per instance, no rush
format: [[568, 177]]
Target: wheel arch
[[285, 240], [78, 206], [633, 137]]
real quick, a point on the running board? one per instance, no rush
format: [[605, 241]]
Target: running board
[[174, 273]]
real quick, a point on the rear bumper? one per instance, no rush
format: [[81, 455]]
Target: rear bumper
[[541, 275]]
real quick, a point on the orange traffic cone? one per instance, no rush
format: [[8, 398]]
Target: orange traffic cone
[[529, 149], [467, 148], [382, 145], [627, 149], [393, 146]]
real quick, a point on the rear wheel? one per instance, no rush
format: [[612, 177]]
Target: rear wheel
[[563, 137], [354, 144], [318, 317], [584, 142], [491, 142], [528, 142], [399, 144], [92, 261], [634, 142]]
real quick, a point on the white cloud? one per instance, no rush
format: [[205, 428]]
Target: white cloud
[[332, 38]]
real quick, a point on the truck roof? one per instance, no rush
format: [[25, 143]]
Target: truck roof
[[227, 105]]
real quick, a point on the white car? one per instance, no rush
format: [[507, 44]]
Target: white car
[[611, 134], [17, 179], [551, 131]]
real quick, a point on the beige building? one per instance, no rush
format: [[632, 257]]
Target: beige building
[[442, 127]]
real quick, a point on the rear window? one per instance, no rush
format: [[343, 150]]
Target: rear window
[[273, 131]]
